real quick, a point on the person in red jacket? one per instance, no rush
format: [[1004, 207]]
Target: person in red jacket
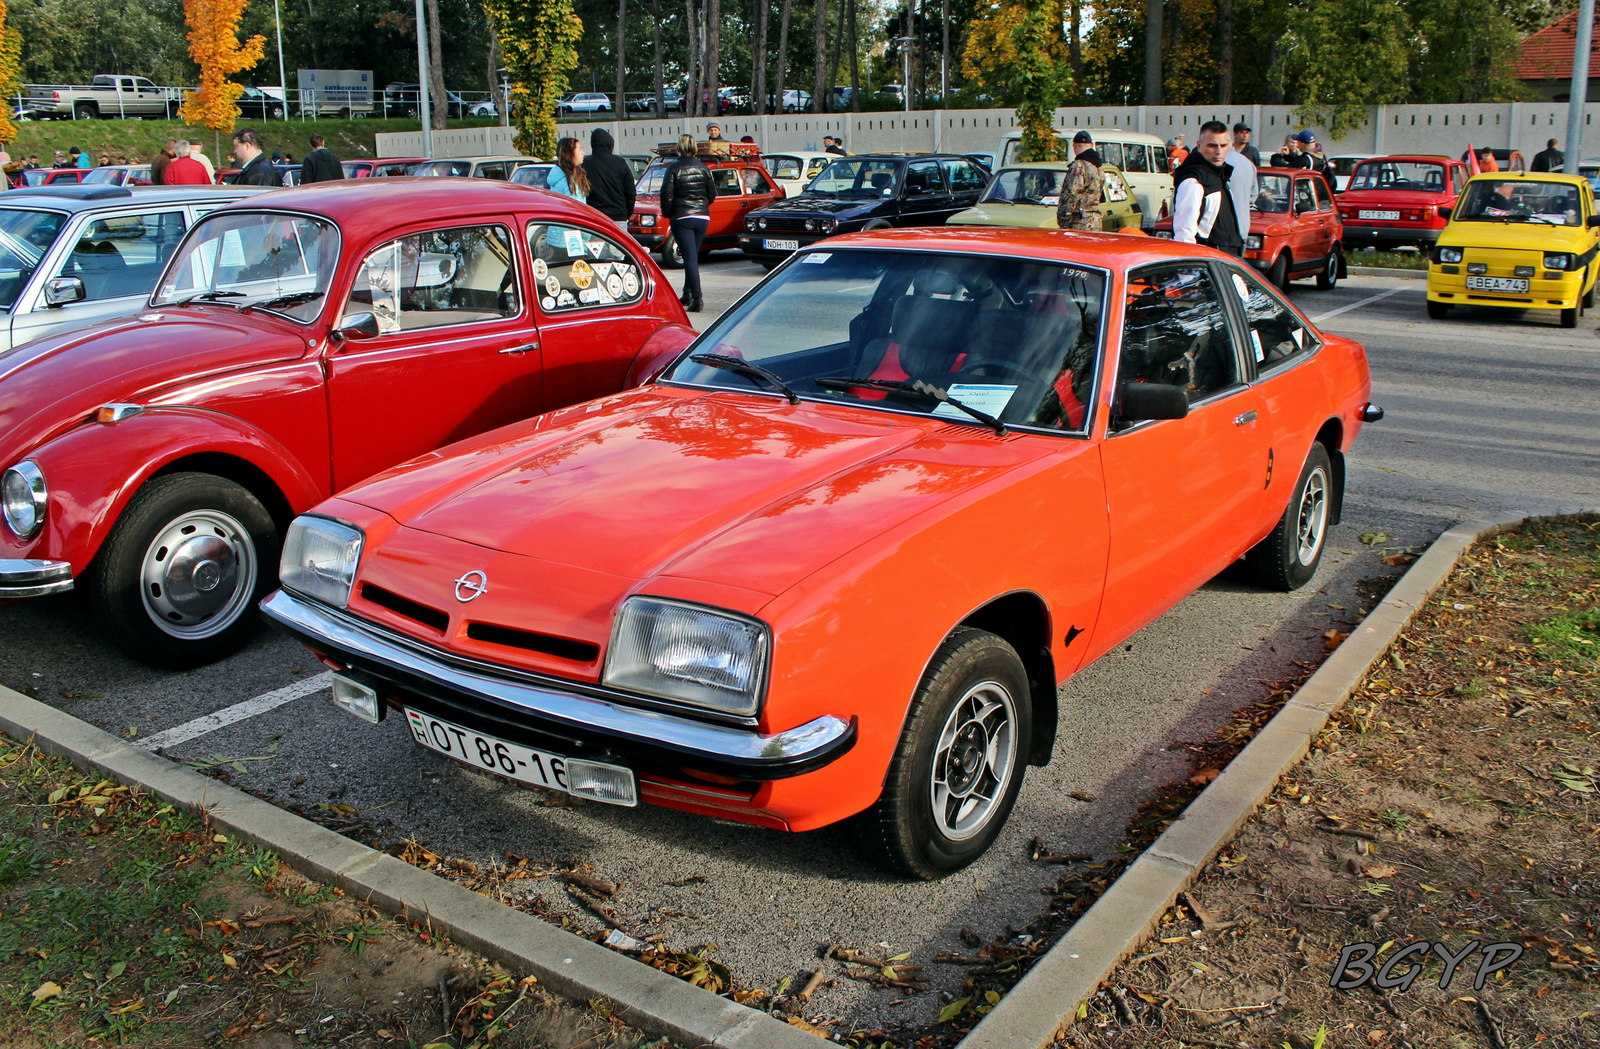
[[184, 169]]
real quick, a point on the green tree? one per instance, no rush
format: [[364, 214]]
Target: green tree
[[1043, 75], [1461, 56], [540, 40], [1347, 55]]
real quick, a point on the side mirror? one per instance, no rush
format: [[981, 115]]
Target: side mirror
[[1592, 221], [358, 326], [1152, 400], [913, 190], [1444, 211], [62, 290]]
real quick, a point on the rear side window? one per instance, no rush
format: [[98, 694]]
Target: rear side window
[[784, 167], [1135, 157], [1175, 331], [575, 268], [1110, 152], [122, 256], [726, 180], [1163, 162], [1277, 335]]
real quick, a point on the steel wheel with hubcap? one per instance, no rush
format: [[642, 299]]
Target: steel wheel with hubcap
[[1288, 557], [188, 559], [959, 763], [670, 254], [1330, 270]]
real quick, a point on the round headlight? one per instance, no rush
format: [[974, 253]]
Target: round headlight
[[23, 497], [827, 225], [762, 223], [811, 224], [1449, 254]]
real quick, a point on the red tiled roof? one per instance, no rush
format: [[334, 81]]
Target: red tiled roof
[[1547, 54]]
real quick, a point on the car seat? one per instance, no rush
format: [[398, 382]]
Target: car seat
[[882, 179]]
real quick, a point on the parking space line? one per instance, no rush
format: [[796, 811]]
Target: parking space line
[[236, 713], [1319, 318]]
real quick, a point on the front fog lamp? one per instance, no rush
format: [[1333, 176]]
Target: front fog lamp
[[320, 557], [611, 784], [1449, 254], [682, 652], [23, 497], [357, 694], [1558, 262]]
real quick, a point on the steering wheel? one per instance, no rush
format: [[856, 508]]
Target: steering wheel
[[1008, 369]]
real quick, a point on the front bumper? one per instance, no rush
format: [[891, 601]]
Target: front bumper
[[492, 700], [647, 235], [754, 244], [31, 577], [1561, 293], [1358, 236]]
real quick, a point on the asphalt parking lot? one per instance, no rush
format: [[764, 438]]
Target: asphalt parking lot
[[1487, 412]]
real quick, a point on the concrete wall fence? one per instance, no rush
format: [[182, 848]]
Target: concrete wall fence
[[1388, 129]]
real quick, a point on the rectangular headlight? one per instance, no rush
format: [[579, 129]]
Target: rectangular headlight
[[682, 652], [320, 557], [1557, 262], [1253, 242], [1449, 254]]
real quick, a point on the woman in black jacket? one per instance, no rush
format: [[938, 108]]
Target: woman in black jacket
[[686, 194]]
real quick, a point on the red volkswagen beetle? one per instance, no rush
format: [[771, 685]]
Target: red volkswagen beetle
[[1393, 201], [835, 562], [291, 349]]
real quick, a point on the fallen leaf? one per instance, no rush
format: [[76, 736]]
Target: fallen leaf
[[230, 961], [1374, 538], [1375, 1037], [48, 989], [1381, 870], [1334, 638], [116, 970], [1204, 776], [1395, 560], [948, 1013]]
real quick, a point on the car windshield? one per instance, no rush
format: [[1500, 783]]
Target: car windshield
[[1025, 186], [112, 176], [441, 168], [533, 175], [273, 261], [1012, 339], [25, 238], [858, 178], [1521, 200], [1409, 175], [1274, 197], [650, 181]]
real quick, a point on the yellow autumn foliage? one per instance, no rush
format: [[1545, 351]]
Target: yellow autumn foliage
[[10, 72], [214, 46]]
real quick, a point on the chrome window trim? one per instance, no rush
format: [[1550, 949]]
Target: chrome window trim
[[1257, 375], [647, 283], [522, 312], [826, 245], [338, 233]]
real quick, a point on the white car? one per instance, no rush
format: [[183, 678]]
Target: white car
[[486, 108], [1343, 165], [795, 101], [587, 102], [795, 168]]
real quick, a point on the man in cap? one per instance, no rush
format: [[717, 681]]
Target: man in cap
[[1083, 190], [1242, 146]]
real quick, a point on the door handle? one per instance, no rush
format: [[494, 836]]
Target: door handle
[[1244, 418], [527, 347]]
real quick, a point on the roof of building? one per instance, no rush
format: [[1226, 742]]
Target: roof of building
[[1547, 54]]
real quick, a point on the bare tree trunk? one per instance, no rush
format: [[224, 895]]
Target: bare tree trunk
[[758, 78], [441, 104], [833, 60], [822, 53], [783, 52], [692, 79], [1177, 48], [1274, 75], [713, 62], [1152, 53], [944, 54], [655, 34], [1075, 39], [855, 54], [496, 61], [622, 62], [1225, 52], [922, 55]]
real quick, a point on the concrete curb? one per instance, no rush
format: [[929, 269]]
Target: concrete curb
[[568, 964], [1123, 918], [1387, 271]]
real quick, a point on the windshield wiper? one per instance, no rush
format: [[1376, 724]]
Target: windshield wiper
[[739, 366], [293, 299], [212, 296], [933, 393], [1540, 218]]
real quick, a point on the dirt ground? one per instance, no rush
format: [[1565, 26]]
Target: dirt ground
[[1451, 805]]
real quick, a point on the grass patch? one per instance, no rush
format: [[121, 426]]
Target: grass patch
[[1571, 636], [1394, 260]]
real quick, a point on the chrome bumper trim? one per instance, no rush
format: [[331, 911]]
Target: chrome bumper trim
[[31, 577], [406, 666]]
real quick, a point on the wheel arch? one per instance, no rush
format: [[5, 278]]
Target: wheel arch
[[1331, 437], [1022, 620], [240, 471]]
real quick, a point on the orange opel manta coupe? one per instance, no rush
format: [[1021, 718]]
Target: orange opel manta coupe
[[834, 561]]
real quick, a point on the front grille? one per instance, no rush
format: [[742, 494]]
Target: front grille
[[560, 647], [781, 222], [403, 606]]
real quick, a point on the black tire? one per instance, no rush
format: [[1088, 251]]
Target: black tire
[[1329, 275], [1588, 296], [973, 672], [85, 111], [188, 520], [1569, 318], [1279, 274], [1288, 557], [344, 113], [670, 254], [1438, 310], [767, 264], [172, 110]]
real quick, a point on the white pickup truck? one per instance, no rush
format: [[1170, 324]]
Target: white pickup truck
[[107, 97]]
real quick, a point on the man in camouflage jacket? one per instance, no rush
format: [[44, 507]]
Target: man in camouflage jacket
[[1083, 190]]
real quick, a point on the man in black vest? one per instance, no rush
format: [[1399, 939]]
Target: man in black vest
[[257, 170], [1203, 209]]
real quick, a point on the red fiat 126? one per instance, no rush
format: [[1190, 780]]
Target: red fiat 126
[[836, 560], [291, 349]]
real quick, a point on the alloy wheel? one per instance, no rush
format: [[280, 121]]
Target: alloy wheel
[[973, 760], [1312, 521]]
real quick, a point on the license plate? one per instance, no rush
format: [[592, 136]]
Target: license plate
[[781, 245], [1497, 283], [514, 761], [1390, 215]]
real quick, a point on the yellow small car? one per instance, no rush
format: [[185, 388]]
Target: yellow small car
[[1518, 240], [1027, 195]]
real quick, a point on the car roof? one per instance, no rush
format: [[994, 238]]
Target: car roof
[[1112, 134], [1113, 251], [480, 158], [1045, 165], [808, 154], [76, 197], [406, 199], [1417, 158], [1529, 176]]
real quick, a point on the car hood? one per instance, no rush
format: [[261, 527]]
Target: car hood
[[57, 382], [811, 204], [1512, 236], [1041, 215], [722, 487]]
